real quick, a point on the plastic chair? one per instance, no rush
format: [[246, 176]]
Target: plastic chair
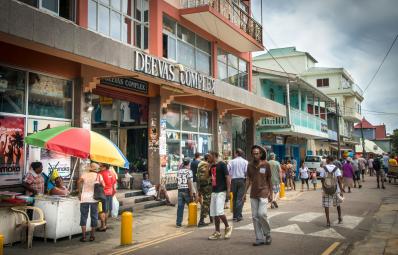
[[30, 224]]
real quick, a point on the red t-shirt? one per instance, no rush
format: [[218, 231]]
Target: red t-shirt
[[109, 180]]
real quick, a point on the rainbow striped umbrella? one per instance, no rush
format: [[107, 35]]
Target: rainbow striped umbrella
[[80, 143]]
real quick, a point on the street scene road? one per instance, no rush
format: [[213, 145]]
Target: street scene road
[[298, 227]]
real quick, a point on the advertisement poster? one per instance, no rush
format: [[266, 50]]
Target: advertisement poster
[[12, 131], [49, 159]]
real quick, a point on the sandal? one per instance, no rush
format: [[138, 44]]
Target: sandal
[[92, 238], [83, 239], [101, 229], [328, 225]]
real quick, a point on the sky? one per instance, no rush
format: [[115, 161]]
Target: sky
[[354, 34]]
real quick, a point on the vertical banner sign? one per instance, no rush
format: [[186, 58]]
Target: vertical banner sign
[[12, 131]]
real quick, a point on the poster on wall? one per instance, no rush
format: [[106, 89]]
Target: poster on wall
[[12, 131], [49, 159]]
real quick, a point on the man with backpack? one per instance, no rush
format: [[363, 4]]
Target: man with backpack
[[332, 186], [378, 167], [204, 189]]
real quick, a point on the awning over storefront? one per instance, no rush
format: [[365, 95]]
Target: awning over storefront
[[370, 147]]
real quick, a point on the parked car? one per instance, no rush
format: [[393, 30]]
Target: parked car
[[313, 163]]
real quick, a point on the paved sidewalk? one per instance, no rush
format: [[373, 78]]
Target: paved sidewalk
[[383, 238], [149, 225]]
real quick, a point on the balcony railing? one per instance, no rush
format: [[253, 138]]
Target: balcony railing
[[233, 13], [355, 88], [298, 118]]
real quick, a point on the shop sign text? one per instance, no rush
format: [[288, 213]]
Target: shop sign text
[[171, 72], [126, 83]]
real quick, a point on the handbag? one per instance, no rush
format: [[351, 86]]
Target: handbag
[[99, 193]]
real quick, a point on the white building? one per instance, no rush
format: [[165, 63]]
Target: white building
[[337, 83]]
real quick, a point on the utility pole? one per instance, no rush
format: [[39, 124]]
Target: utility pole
[[363, 142], [338, 128]]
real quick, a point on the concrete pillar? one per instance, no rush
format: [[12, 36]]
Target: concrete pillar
[[251, 136], [299, 98], [153, 136], [156, 27]]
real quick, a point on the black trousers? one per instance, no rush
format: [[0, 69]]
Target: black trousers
[[238, 190]]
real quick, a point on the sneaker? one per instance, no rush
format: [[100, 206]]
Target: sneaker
[[215, 236], [268, 240], [275, 204], [383, 187], [239, 219], [178, 226], [258, 243], [202, 224], [228, 232]]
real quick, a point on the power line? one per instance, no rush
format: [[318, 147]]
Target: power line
[[277, 62], [378, 69]]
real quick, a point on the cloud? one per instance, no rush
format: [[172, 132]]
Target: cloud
[[354, 34]]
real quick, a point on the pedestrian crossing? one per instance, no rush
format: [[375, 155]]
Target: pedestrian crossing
[[349, 222]]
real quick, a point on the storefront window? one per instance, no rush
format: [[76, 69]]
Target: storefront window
[[189, 145], [173, 117], [173, 150], [205, 144], [189, 119], [12, 90], [195, 134], [205, 121], [49, 96]]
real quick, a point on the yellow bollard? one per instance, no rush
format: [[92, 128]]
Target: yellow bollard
[[231, 202], [282, 191], [1, 244], [126, 229], [192, 214]]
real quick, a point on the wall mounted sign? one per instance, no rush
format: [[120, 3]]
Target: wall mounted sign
[[126, 83], [173, 72]]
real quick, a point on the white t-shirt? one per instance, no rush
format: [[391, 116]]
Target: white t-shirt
[[330, 168], [370, 162], [304, 172], [89, 179]]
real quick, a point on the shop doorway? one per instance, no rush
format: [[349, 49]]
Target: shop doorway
[[125, 124]]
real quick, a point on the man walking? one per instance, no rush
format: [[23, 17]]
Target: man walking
[[332, 185], [204, 190], [357, 177], [378, 167], [237, 170], [221, 186], [276, 179], [259, 179], [185, 190], [362, 167], [370, 164]]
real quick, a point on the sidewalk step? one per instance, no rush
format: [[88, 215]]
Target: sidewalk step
[[124, 193], [135, 199], [131, 207]]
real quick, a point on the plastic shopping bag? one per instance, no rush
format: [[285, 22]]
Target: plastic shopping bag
[[115, 207]]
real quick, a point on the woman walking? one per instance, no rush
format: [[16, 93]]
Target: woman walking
[[304, 176], [290, 174], [348, 175]]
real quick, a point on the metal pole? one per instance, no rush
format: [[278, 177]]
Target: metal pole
[[70, 185], [338, 128], [363, 142], [288, 103]]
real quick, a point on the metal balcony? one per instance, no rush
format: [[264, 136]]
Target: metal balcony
[[225, 20]]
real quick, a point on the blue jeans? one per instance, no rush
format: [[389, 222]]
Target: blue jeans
[[183, 199]]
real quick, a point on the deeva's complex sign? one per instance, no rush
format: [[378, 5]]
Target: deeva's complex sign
[[172, 72]]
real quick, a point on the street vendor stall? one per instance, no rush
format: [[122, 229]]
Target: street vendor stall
[[61, 214]]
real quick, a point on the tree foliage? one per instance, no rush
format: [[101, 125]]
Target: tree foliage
[[394, 141]]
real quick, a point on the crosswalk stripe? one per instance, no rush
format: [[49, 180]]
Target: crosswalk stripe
[[349, 222], [306, 217], [329, 233], [290, 229]]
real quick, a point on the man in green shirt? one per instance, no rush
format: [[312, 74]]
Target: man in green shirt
[[276, 178]]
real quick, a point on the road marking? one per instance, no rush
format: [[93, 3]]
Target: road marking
[[306, 217], [350, 222], [149, 243], [251, 227], [331, 248], [290, 229], [329, 233]]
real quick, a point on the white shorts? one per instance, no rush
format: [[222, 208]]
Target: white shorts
[[217, 203]]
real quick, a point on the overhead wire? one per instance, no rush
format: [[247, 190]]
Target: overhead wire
[[378, 69]]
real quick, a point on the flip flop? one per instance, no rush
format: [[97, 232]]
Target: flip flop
[[101, 229], [83, 240], [92, 238]]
